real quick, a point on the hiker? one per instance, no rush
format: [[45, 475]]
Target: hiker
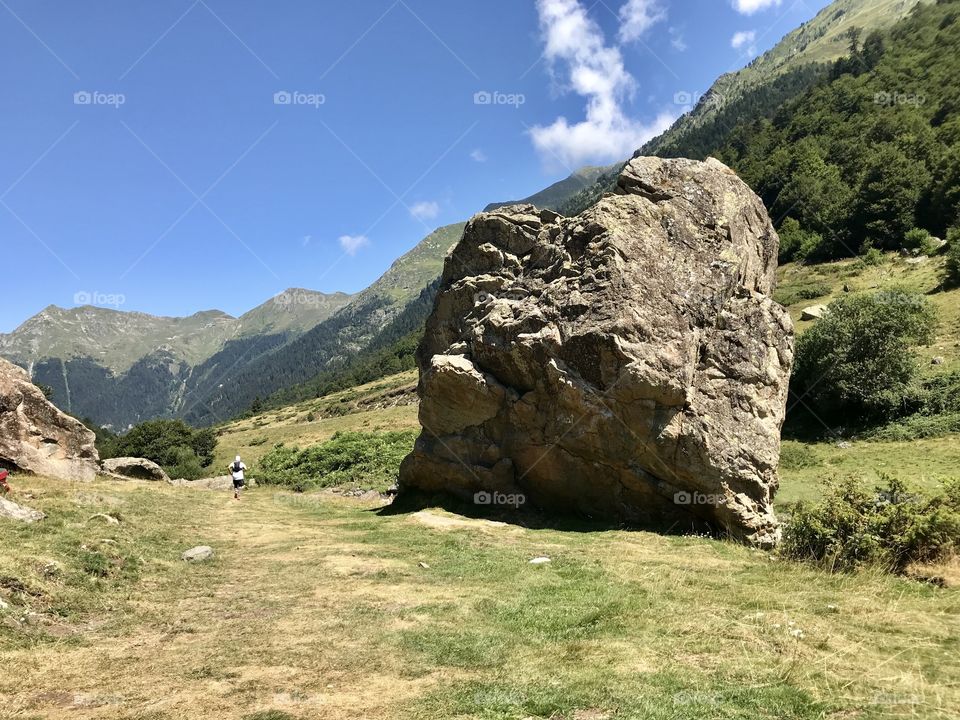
[[236, 469]]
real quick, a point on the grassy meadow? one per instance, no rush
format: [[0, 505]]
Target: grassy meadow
[[317, 606], [322, 606]]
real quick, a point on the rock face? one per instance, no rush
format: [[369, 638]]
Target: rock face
[[626, 363], [36, 437], [128, 468]]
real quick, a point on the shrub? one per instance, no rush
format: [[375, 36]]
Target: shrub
[[797, 243], [858, 363], [792, 295], [797, 455], [890, 526], [369, 460], [172, 444], [917, 427], [953, 256], [919, 240], [872, 257]]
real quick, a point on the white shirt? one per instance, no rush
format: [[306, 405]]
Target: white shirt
[[237, 475]]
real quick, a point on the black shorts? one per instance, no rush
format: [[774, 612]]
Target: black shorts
[[237, 484]]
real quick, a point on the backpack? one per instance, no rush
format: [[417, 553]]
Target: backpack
[[237, 467]]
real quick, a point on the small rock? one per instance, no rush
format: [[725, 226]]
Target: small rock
[[844, 445], [108, 519], [916, 260], [832, 608], [937, 361], [12, 511], [814, 312], [540, 561], [4, 605], [198, 554], [423, 565]]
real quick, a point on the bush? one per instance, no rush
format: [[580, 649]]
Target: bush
[[172, 444], [872, 257], [919, 240], [857, 363], [792, 295], [890, 527], [797, 455], [797, 243], [953, 256], [368, 460], [917, 427]]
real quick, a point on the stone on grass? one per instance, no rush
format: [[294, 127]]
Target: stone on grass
[[200, 553], [131, 468], [11, 511]]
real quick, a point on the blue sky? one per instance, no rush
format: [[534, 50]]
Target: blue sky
[[175, 156]]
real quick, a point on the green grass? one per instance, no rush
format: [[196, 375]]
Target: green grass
[[318, 607]]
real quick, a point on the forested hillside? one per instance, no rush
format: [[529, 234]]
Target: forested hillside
[[873, 151]]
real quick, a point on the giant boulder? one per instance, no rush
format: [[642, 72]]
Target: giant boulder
[[35, 437], [627, 363]]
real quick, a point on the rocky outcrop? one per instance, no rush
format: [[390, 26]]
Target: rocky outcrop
[[36, 437], [626, 363], [130, 468]]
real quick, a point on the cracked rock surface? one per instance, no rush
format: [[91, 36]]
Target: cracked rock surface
[[627, 363], [36, 437]]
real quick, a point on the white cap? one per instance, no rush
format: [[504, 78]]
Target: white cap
[[237, 459]]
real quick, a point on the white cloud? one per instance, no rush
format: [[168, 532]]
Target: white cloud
[[637, 16], [744, 37], [749, 7], [745, 41], [478, 155], [425, 210], [677, 41], [352, 243], [596, 72], [306, 240]]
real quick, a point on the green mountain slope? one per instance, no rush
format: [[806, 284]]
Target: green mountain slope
[[121, 368], [553, 197], [858, 160], [230, 388], [821, 40]]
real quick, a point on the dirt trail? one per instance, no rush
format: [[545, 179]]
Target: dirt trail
[[266, 626]]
